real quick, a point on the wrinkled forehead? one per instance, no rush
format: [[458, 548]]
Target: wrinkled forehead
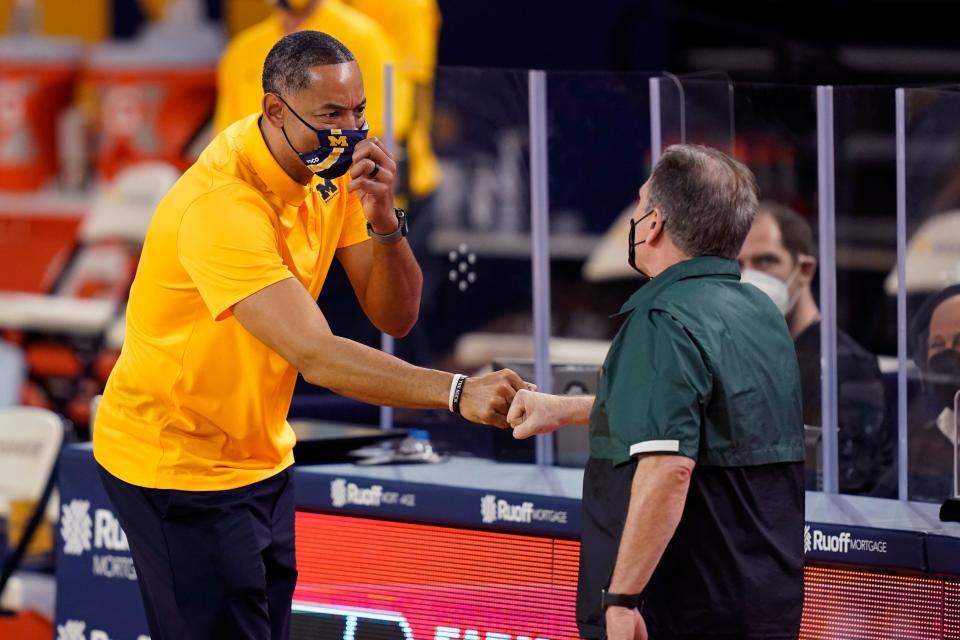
[[338, 84], [766, 231]]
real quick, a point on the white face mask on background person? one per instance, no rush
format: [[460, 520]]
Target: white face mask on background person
[[775, 288]]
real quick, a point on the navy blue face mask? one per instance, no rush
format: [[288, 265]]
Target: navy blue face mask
[[334, 153]]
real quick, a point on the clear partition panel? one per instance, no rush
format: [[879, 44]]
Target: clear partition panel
[[708, 99], [931, 169], [473, 244], [776, 136], [865, 242], [695, 109], [599, 156]]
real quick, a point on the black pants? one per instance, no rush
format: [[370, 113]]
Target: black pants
[[212, 564]]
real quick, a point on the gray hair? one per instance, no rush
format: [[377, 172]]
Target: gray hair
[[707, 199]]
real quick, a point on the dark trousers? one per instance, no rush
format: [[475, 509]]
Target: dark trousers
[[212, 564]]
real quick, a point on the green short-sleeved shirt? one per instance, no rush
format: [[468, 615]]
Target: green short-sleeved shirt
[[690, 372], [703, 367]]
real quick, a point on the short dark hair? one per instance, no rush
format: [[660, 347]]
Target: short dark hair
[[287, 67], [794, 229], [707, 199]]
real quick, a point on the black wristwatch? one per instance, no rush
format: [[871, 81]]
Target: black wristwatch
[[396, 236], [608, 599]]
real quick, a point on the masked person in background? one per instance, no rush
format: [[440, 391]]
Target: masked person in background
[[778, 257], [935, 348]]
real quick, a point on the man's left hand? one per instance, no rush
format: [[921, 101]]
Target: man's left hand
[[376, 191], [625, 624]]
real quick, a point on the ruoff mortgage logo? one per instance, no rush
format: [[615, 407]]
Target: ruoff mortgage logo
[[76, 527], [75, 630], [72, 630], [82, 532], [493, 509], [343, 493], [842, 542]]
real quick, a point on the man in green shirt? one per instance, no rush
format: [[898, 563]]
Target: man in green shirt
[[693, 500]]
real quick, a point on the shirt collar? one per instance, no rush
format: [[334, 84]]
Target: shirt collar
[[702, 267], [269, 170]]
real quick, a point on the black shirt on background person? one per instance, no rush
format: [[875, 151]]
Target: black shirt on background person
[[863, 441]]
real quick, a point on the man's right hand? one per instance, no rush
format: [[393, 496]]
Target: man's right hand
[[534, 413], [486, 399]]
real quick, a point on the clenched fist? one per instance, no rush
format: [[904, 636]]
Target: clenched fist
[[534, 413], [486, 399]]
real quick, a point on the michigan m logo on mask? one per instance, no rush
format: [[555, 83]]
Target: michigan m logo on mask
[[337, 141]]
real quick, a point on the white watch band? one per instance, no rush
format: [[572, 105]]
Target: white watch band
[[453, 389]]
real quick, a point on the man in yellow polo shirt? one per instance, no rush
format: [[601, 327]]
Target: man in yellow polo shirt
[[191, 436]]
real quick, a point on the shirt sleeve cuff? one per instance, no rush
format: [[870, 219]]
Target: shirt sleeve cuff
[[655, 446], [356, 238], [223, 308]]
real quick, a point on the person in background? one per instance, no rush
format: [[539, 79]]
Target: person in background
[[238, 74], [935, 348], [414, 27], [778, 257]]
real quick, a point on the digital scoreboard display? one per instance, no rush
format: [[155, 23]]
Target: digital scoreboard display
[[368, 579], [373, 579]]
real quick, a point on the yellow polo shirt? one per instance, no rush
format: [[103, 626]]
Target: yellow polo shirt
[[196, 402], [414, 28], [239, 83]]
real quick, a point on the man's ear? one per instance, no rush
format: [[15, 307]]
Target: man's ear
[[272, 109], [652, 227], [808, 268]]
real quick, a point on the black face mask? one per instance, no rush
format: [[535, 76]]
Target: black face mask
[[632, 244], [942, 377]]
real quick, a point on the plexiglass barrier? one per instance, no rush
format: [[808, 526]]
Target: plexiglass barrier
[[865, 243], [876, 358], [931, 169], [473, 243], [599, 156]]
